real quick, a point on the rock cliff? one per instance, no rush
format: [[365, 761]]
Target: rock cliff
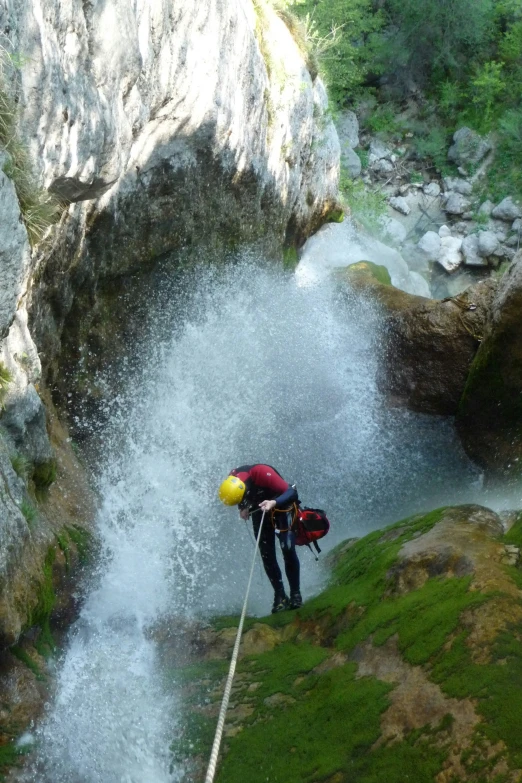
[[163, 130], [407, 666]]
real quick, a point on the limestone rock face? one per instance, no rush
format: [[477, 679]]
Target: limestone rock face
[[490, 410], [410, 656], [167, 128]]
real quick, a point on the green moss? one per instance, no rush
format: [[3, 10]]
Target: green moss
[[369, 269], [26, 659], [335, 215], [422, 619], [290, 258], [83, 541], [41, 614], [497, 687], [63, 541], [338, 719], [9, 757]]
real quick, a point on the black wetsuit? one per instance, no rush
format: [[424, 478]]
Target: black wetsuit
[[264, 483]]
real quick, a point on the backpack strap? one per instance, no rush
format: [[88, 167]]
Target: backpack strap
[[313, 553]]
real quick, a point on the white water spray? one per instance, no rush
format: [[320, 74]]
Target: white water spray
[[256, 368]]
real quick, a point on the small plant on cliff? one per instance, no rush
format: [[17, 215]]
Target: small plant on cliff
[[29, 511], [5, 380], [39, 209], [20, 466]]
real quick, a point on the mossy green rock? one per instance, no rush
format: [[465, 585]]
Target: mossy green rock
[[490, 411], [408, 666], [366, 272]]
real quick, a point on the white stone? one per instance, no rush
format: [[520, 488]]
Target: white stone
[[456, 204], [470, 251], [400, 204], [450, 257], [487, 243], [432, 190], [458, 185], [444, 231], [429, 244], [507, 210]]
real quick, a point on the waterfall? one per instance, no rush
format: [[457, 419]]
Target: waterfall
[[248, 364]]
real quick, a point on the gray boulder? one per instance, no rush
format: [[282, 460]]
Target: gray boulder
[[400, 204], [378, 151], [351, 162], [431, 190], [458, 185], [348, 129], [470, 251], [507, 210], [456, 204], [486, 208], [429, 245], [487, 243], [468, 147]]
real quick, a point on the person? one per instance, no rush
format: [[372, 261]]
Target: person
[[260, 488]]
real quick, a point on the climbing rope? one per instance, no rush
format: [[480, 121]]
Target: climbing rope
[[211, 771]]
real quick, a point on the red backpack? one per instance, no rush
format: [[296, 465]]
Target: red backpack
[[309, 525]]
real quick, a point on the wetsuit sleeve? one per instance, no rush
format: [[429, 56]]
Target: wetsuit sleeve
[[290, 496]]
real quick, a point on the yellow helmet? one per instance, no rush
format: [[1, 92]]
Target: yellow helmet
[[231, 491]]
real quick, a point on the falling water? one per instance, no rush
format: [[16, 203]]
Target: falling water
[[246, 365]]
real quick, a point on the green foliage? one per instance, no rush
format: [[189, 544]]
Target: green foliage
[[21, 465], [44, 474], [83, 541], [349, 27], [29, 511], [41, 614], [505, 176], [366, 205], [39, 209], [486, 89], [384, 120], [439, 36], [432, 146]]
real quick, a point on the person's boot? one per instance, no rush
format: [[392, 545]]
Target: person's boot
[[281, 603], [295, 599]]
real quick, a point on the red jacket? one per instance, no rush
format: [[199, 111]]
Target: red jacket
[[264, 483]]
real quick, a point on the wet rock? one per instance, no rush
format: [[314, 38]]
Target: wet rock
[[400, 204], [487, 243], [428, 345], [468, 148], [393, 231], [429, 245], [490, 411], [507, 210]]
